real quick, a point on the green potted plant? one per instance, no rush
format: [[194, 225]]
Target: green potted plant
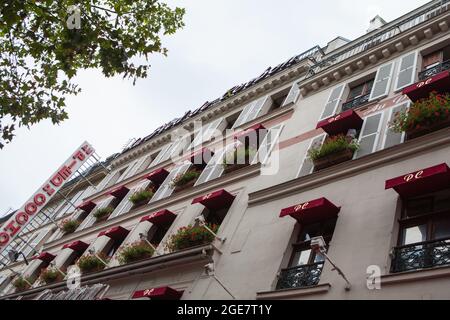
[[237, 159], [335, 150], [424, 116], [136, 251], [22, 284], [103, 213], [69, 226], [49, 276], [191, 236], [186, 180], [141, 197], [91, 263]]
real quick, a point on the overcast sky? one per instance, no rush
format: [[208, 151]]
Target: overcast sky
[[224, 43]]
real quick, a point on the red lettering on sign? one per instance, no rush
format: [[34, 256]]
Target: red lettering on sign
[[87, 149], [57, 180], [12, 228], [39, 199], [79, 155], [4, 238], [31, 208], [21, 218], [48, 190]]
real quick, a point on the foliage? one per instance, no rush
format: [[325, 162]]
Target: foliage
[[21, 283], [69, 226], [423, 113], [191, 236], [50, 275], [90, 263], [183, 179], [238, 155], [135, 251], [103, 212], [41, 50], [141, 196], [331, 146]]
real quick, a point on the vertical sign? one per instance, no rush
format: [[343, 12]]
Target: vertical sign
[[43, 195]]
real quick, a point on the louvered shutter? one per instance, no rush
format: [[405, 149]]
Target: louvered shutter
[[392, 138], [244, 115], [370, 134], [260, 107], [382, 82], [407, 71], [334, 101], [293, 95], [90, 219], [206, 133], [166, 188], [71, 206], [160, 155], [269, 143], [307, 166]]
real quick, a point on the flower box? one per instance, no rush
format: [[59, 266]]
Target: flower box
[[238, 158], [69, 226], [185, 181], [90, 263], [137, 251], [49, 276], [419, 130], [333, 159], [191, 236], [21, 284], [103, 213], [141, 197]]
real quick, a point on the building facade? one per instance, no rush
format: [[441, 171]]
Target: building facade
[[323, 155]]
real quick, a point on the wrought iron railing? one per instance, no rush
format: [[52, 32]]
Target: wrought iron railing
[[421, 256], [355, 103], [384, 35], [300, 277], [434, 71]]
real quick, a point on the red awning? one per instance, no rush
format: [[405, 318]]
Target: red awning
[[163, 293], [46, 257], [87, 206], [439, 83], [77, 246], [341, 123], [312, 211], [158, 176], [163, 217], [116, 233], [216, 200], [421, 182], [201, 157], [119, 192], [252, 135]]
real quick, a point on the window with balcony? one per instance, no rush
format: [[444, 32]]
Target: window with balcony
[[305, 266], [161, 222], [424, 237], [359, 95], [435, 63]]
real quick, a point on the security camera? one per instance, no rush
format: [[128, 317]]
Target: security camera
[[318, 244]]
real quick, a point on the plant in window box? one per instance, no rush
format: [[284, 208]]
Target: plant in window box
[[136, 251], [186, 180], [239, 158], [335, 150], [49, 276], [91, 263], [22, 284], [191, 236], [424, 116], [69, 226], [103, 213], [141, 197]]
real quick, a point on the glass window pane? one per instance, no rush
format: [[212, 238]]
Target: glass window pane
[[415, 234], [372, 124], [415, 207], [442, 229], [301, 258]]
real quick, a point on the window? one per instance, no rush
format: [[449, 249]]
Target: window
[[406, 71], [334, 100], [392, 138], [382, 83], [424, 236], [269, 143], [173, 149], [435, 63], [208, 132], [253, 110], [305, 266], [307, 166], [358, 95], [166, 188], [370, 133]]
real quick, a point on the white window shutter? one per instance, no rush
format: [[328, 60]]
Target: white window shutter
[[392, 138], [166, 189], [160, 155], [333, 102], [260, 107], [382, 83], [370, 134], [269, 143], [207, 132], [307, 166], [125, 205], [244, 115], [71, 206], [213, 170], [407, 71], [293, 95], [90, 219]]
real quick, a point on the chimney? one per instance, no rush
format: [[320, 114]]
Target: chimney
[[376, 23]]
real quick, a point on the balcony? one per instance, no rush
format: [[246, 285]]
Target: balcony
[[434, 71], [423, 255], [300, 277], [356, 103]]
